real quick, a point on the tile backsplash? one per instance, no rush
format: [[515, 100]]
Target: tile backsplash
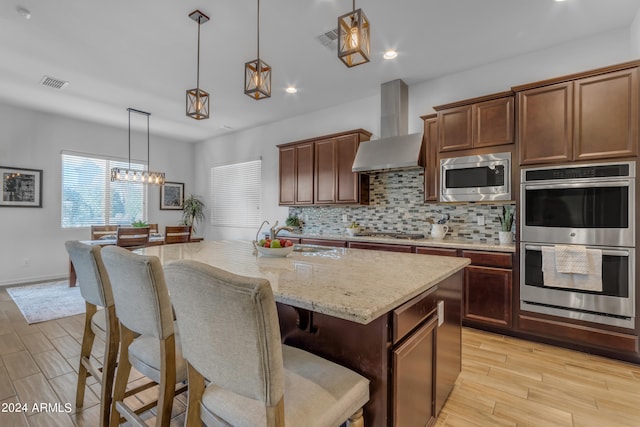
[[397, 205]]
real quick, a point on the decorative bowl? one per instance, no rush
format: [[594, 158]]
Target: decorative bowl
[[274, 252]]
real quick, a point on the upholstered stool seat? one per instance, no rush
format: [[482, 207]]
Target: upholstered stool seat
[[144, 355], [317, 392]]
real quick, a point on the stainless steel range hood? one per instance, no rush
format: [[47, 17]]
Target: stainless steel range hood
[[395, 150]]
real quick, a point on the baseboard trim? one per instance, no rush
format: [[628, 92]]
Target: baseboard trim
[[31, 280]]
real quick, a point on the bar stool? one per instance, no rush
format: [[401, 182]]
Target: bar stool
[[147, 338], [96, 290], [231, 337]]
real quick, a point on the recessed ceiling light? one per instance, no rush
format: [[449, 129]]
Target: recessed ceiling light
[[291, 89], [559, 0], [390, 54], [23, 12]]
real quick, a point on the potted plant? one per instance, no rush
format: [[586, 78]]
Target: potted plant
[[139, 224], [193, 211], [293, 221], [506, 222]]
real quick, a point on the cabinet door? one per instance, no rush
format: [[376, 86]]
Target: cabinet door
[[606, 115], [493, 122], [545, 132], [304, 174], [347, 182], [487, 295], [455, 128], [413, 378], [430, 147], [287, 176], [325, 169]]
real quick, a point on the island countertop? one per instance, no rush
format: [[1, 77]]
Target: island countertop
[[352, 284]]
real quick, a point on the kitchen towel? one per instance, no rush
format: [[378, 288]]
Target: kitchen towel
[[572, 259], [587, 282]]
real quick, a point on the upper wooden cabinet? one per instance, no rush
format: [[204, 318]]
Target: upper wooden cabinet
[[318, 170], [586, 116], [475, 123], [430, 147]]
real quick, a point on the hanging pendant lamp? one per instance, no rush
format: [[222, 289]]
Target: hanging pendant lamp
[[198, 99], [133, 175], [354, 38], [257, 74]]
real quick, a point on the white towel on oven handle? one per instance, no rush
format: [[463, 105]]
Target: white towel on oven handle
[[572, 259], [586, 282]]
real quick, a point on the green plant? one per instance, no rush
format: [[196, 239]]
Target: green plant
[[139, 224], [354, 225], [193, 211], [506, 218], [293, 221]]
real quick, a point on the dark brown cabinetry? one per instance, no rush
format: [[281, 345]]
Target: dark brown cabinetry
[[381, 247], [592, 115], [318, 171], [487, 291], [430, 147], [324, 242], [476, 123], [436, 251]]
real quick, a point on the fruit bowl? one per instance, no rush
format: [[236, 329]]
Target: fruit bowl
[[274, 252]]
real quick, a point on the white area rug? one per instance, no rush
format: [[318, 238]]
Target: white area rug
[[47, 301]]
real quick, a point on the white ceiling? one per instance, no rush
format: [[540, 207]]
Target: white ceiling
[[142, 53]]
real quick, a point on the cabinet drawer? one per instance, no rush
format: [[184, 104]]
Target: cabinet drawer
[[489, 259], [324, 242], [381, 247], [410, 314], [436, 251]]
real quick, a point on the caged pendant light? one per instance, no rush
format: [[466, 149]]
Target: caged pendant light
[[133, 175], [354, 38], [198, 99], [257, 73]]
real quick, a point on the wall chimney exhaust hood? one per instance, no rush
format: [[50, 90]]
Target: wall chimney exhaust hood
[[395, 150]]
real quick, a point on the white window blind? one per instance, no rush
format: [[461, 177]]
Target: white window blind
[[236, 194], [90, 198]]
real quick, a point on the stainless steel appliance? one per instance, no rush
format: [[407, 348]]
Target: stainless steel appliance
[[476, 178], [591, 205], [586, 204]]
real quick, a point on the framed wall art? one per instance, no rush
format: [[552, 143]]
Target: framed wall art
[[21, 188], [172, 196]]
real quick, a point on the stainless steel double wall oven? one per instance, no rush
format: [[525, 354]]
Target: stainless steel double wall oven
[[591, 205]]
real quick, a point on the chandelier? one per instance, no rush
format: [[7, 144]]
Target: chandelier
[[353, 38], [198, 99], [133, 175], [257, 73]]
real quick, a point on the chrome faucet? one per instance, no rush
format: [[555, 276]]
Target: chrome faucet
[[258, 232], [275, 230]]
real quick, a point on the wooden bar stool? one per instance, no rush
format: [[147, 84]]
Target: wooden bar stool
[[177, 234], [96, 290]]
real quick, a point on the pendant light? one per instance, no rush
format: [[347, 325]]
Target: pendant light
[[132, 175], [257, 74], [353, 38], [198, 99]]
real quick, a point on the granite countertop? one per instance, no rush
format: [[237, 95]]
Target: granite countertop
[[445, 243], [351, 284]]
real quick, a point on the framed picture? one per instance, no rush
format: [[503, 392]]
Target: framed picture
[[21, 188], [172, 196]]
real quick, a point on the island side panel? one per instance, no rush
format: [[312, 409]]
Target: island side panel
[[362, 348]]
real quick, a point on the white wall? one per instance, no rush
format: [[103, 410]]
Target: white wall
[[635, 36], [31, 139], [580, 55]]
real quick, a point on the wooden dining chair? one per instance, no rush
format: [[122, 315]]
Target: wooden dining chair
[[95, 288], [147, 335], [231, 337], [133, 237], [177, 234], [153, 229], [103, 232]]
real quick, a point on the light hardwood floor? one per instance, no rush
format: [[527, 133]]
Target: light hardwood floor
[[504, 381]]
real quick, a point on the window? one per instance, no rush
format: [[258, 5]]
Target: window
[[90, 198], [236, 194]]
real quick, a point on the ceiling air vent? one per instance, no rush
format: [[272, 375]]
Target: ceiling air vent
[[54, 83], [329, 39]]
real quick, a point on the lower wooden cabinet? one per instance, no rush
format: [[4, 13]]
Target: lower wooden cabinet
[[324, 242], [487, 295], [381, 247]]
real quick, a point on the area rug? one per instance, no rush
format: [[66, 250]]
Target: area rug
[[47, 301]]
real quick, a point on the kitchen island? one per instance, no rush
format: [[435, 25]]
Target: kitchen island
[[392, 317]]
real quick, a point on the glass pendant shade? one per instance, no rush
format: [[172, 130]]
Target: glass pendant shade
[[257, 79], [197, 104], [353, 38]]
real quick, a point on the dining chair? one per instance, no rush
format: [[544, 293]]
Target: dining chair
[[231, 340], [147, 335], [177, 234], [153, 229], [103, 232], [133, 237], [95, 288]]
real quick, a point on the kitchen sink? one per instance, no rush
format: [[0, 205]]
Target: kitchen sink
[[311, 248]]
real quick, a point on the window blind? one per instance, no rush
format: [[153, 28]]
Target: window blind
[[90, 198], [236, 194]]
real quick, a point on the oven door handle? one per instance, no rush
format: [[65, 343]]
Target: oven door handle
[[608, 252], [576, 185]]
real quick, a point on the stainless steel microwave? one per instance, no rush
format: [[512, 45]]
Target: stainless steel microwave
[[478, 178]]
